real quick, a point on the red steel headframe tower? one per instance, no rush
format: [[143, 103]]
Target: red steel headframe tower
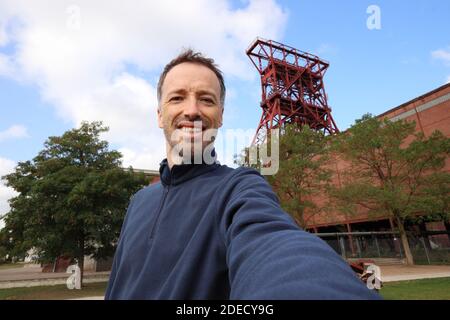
[[292, 88]]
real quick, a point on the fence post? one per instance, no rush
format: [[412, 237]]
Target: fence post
[[376, 244], [358, 246], [400, 247], [426, 250], [342, 245], [350, 239]]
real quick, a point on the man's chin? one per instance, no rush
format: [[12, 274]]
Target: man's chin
[[189, 153]]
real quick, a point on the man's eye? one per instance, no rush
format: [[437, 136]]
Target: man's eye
[[207, 100], [176, 98]]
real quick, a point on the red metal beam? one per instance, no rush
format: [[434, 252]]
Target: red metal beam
[[292, 88]]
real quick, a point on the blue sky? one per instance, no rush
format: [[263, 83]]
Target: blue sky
[[373, 70], [82, 60]]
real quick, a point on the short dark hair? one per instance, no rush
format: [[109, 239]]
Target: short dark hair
[[194, 57]]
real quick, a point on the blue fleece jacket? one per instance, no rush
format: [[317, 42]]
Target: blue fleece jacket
[[213, 232]]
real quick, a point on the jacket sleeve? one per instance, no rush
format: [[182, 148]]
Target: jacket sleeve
[[270, 257]]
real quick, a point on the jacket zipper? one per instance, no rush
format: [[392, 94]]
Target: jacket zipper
[[153, 230]]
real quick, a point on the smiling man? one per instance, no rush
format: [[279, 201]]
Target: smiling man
[[191, 100], [207, 231]]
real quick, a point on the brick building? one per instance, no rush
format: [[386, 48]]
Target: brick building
[[430, 111]]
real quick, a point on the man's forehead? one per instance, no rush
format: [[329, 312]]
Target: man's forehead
[[189, 75]]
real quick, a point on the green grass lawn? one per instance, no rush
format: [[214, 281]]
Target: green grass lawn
[[58, 292], [424, 289], [438, 288]]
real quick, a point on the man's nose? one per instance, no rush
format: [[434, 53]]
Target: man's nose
[[192, 110]]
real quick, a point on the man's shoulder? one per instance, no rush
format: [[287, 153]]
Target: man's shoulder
[[147, 191], [242, 176], [224, 175], [239, 172]]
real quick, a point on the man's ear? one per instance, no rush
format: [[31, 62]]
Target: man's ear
[[221, 118], [159, 114]]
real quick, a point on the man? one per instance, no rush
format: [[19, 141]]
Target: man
[[206, 231]]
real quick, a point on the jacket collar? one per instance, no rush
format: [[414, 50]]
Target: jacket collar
[[183, 172]]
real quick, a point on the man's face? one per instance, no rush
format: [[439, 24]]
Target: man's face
[[190, 105]]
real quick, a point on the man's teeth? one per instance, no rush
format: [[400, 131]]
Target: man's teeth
[[191, 129]]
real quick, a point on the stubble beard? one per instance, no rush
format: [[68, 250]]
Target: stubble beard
[[191, 150]]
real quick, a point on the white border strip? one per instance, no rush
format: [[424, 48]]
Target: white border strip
[[422, 107]]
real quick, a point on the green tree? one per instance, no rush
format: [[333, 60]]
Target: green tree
[[302, 173], [394, 172], [3, 246], [72, 197]]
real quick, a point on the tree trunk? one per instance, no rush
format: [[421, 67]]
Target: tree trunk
[[404, 239], [81, 262], [300, 219], [81, 266]]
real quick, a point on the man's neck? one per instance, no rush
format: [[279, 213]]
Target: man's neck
[[169, 155]]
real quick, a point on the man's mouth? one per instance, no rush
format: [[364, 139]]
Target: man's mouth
[[190, 131], [190, 128]]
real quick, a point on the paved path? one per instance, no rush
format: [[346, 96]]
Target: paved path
[[404, 272], [389, 274], [31, 275]]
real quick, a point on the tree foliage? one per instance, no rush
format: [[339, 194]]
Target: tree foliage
[[395, 172], [72, 197], [303, 173]]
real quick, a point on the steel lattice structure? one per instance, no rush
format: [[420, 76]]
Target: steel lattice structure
[[292, 88]]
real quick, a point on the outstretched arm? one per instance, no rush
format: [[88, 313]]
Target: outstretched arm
[[270, 257]]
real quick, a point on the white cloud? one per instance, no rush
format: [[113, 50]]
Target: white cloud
[[5, 65], [6, 166], [77, 52], [14, 132], [443, 55], [3, 36]]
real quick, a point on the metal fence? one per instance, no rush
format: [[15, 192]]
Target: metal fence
[[426, 248]]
